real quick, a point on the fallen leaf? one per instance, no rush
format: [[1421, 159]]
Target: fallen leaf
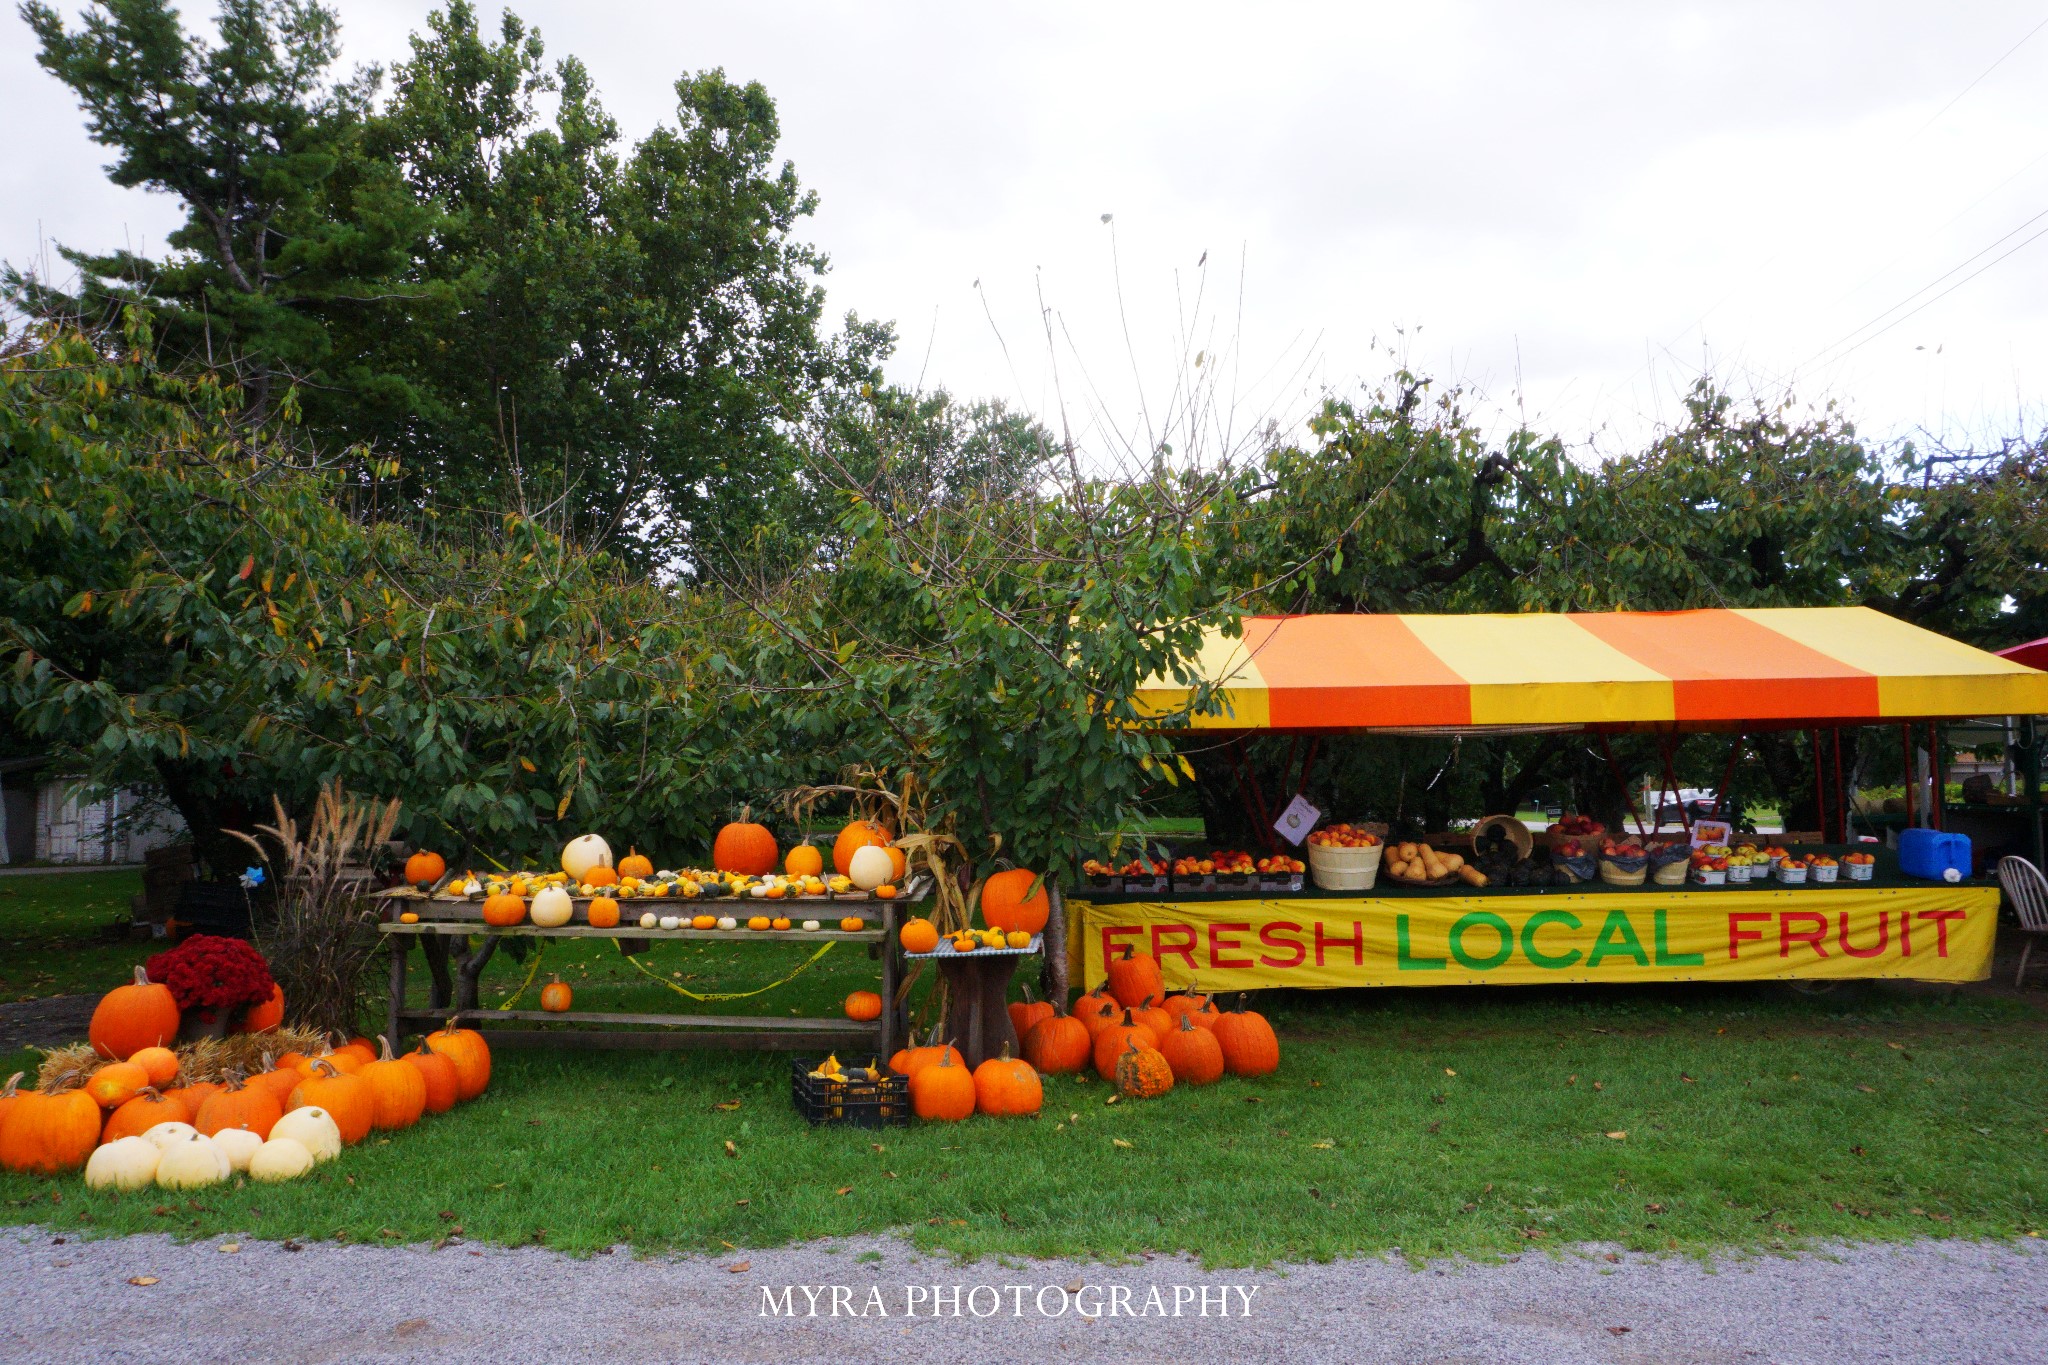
[[727, 1105], [1119, 1142], [1611, 1256], [1868, 1089], [1618, 1331], [1076, 1286], [731, 1150], [1687, 1079], [1449, 1072], [230, 1248], [145, 1281], [741, 1203], [1112, 1099], [1896, 1047], [740, 1267], [1073, 1118], [1619, 1134], [1323, 1146], [878, 1146], [410, 1327], [844, 1189]]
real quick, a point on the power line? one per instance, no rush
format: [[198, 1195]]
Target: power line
[[1944, 293], [1980, 77]]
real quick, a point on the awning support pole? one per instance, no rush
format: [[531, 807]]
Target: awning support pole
[[1820, 807], [1620, 783], [1912, 780], [1841, 792], [1724, 799]]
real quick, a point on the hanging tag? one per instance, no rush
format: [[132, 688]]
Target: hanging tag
[[1297, 820]]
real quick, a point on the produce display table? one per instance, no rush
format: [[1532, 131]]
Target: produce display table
[[1892, 926], [978, 992], [443, 920]]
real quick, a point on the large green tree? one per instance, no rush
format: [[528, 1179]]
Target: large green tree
[[520, 309]]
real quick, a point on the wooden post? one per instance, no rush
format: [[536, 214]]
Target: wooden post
[[434, 949], [892, 963], [1052, 972], [400, 945]]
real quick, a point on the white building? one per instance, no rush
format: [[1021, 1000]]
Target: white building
[[64, 825]]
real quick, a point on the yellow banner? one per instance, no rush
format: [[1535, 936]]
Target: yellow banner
[[1935, 933]]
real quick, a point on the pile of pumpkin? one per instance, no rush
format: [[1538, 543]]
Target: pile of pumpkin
[[129, 1124], [1131, 1032]]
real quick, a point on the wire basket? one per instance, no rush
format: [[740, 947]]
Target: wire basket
[[862, 1103]]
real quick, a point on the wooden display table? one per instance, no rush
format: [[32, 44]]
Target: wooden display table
[[454, 991], [977, 997]]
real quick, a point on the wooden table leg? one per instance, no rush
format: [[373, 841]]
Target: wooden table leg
[[977, 1013], [891, 963], [465, 995], [1052, 973], [434, 948], [401, 946]]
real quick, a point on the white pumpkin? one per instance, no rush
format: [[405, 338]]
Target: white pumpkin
[[671, 921], [583, 853], [312, 1128], [280, 1159], [728, 922], [164, 1134], [237, 1145], [870, 867], [191, 1164], [551, 907], [810, 926], [127, 1163], [649, 920]]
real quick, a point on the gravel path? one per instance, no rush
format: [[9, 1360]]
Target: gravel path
[[1926, 1303]]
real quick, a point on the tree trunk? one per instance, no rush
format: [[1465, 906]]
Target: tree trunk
[[206, 816]]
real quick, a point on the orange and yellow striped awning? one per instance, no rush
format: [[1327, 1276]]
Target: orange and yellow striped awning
[[1759, 668]]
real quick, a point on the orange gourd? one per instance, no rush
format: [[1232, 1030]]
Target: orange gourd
[[439, 1074], [1200, 1008], [398, 1092], [1007, 1088], [604, 913], [346, 1099], [1192, 1051], [160, 1063], [47, 1132], [1134, 978], [858, 834], [1142, 1072], [424, 868], [504, 910], [1158, 1020], [1057, 1045], [1111, 1041], [556, 997], [11, 1094], [601, 876], [239, 1105], [1005, 906], [280, 1081], [918, 935], [804, 860], [144, 1112], [1025, 1013], [133, 1017], [942, 1091], [266, 1015], [635, 864], [194, 1095], [863, 1006], [471, 1055], [744, 847], [116, 1083], [1250, 1047], [912, 1060]]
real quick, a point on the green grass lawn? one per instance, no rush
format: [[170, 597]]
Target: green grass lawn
[[1434, 1121], [50, 940]]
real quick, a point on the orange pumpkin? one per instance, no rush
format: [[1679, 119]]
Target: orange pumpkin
[[438, 1073], [1142, 1072], [1200, 1008], [398, 1092], [1005, 906], [48, 1132], [116, 1083], [239, 1105], [1096, 1009], [910, 1061], [280, 1081], [132, 1017], [1113, 1040], [1057, 1045], [863, 1006], [1025, 1013], [918, 935], [1156, 1019], [604, 913], [600, 876], [858, 834], [12, 1094], [263, 1017], [194, 1095], [1134, 978], [1192, 1051], [555, 997], [471, 1055], [804, 860], [744, 847], [635, 864], [424, 868], [1007, 1088], [144, 1112], [852, 924], [504, 910], [902, 862], [942, 1091], [344, 1060], [1250, 1047], [345, 1098]]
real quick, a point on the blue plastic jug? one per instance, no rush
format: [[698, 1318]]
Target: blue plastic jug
[[1931, 853]]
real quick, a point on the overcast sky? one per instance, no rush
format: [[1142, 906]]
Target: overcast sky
[[1568, 207]]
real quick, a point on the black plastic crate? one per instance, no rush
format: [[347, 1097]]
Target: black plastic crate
[[862, 1103]]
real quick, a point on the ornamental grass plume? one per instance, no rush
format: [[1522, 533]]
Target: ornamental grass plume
[[324, 935]]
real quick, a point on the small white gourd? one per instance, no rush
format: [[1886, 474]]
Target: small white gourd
[[312, 1128], [164, 1134], [584, 853], [127, 1163], [870, 867], [551, 908], [191, 1164], [237, 1145]]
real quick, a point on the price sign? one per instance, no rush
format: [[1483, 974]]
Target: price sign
[[1297, 820]]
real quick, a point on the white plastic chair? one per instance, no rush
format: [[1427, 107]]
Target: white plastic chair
[[2027, 889]]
